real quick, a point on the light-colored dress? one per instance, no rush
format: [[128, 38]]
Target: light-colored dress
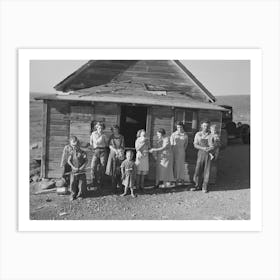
[[128, 171], [115, 159], [179, 142], [164, 164], [142, 155]]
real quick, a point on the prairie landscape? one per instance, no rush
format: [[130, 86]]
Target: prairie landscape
[[229, 199]]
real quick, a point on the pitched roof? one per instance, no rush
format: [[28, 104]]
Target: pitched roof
[[134, 94], [153, 75]]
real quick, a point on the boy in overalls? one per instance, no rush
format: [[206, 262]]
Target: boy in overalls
[[78, 161]]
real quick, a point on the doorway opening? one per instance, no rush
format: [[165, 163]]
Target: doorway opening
[[133, 118]]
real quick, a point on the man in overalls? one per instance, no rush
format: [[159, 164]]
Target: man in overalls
[[203, 163]]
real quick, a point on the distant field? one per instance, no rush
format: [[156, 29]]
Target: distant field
[[35, 115], [240, 104]]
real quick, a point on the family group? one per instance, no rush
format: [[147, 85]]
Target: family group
[[111, 158]]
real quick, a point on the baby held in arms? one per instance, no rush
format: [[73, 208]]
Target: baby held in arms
[[214, 142]]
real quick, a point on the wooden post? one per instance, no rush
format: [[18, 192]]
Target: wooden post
[[44, 140], [172, 120], [119, 115], [149, 122], [195, 120]]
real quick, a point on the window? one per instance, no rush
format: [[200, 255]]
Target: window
[[188, 117]]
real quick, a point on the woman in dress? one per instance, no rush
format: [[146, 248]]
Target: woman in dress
[[164, 163], [179, 142], [116, 156], [142, 158]]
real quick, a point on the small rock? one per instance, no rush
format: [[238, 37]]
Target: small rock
[[40, 207], [35, 178], [34, 146], [47, 184], [63, 213]]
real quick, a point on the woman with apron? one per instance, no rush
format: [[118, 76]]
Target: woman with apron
[[179, 143]]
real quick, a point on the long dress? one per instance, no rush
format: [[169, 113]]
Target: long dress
[[179, 142], [142, 156], [128, 170], [164, 164], [115, 159]]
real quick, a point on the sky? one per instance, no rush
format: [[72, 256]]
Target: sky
[[220, 77]]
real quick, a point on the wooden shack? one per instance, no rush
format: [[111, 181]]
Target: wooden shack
[[149, 94]]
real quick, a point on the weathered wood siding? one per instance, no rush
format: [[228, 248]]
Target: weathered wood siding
[[57, 136], [109, 113], [81, 117], [64, 120]]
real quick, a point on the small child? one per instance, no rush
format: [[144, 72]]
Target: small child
[[142, 157], [214, 142], [68, 149], [78, 161], [128, 171]]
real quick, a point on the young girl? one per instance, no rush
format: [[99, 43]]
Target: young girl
[[142, 158], [116, 156], [128, 171]]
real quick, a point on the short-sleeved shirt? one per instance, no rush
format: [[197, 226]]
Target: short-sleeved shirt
[[98, 140], [202, 139], [66, 153], [78, 158]]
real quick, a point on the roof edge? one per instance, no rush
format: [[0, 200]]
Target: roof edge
[[60, 86], [209, 95]]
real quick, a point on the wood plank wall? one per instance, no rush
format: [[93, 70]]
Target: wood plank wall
[[65, 120], [81, 117], [108, 113], [57, 136]]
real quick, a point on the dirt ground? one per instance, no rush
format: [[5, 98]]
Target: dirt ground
[[228, 200]]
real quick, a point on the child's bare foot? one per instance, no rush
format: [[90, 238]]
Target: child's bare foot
[[123, 194], [133, 195]]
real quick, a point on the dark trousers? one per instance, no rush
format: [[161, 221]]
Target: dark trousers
[[78, 185], [99, 158], [66, 169], [202, 170]]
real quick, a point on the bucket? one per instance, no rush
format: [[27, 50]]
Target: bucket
[[61, 186]]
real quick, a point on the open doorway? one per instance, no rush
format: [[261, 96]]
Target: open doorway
[[132, 119]]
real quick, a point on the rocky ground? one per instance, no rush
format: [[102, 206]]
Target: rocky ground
[[228, 200]]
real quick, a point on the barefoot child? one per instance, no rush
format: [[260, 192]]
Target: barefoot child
[[214, 142], [142, 158], [128, 170]]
